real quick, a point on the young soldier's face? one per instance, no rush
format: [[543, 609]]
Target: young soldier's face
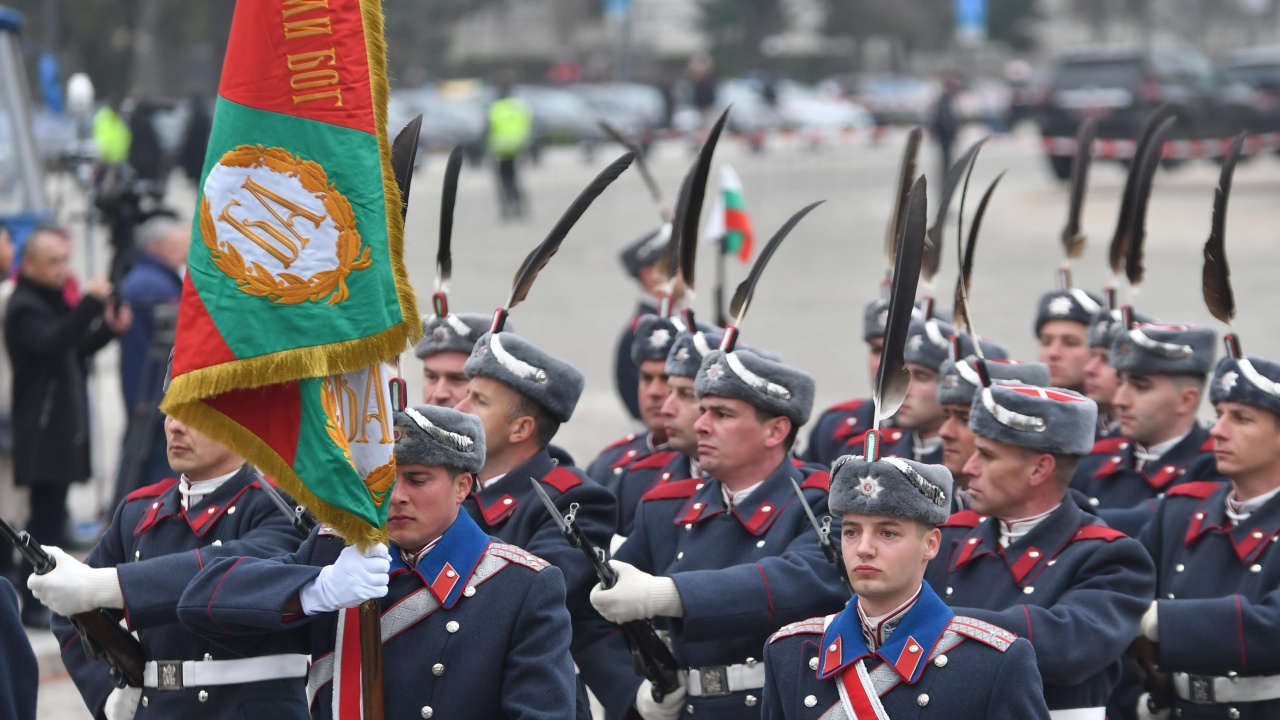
[[998, 477], [424, 503], [1064, 348], [1100, 380], [921, 411], [653, 393], [1149, 407], [444, 384], [957, 441], [1246, 441], [679, 412], [885, 558]]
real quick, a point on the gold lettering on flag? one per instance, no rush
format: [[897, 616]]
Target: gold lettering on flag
[[286, 250], [303, 65]]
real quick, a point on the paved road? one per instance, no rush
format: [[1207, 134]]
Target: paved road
[[810, 302]]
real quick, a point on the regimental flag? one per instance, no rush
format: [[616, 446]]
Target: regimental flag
[[729, 219], [295, 289]]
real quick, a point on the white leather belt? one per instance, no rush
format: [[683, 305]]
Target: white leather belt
[[1094, 713], [177, 674], [724, 679], [1207, 690]]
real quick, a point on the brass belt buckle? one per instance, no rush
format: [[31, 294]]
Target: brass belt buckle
[[169, 675], [715, 681], [1200, 689]]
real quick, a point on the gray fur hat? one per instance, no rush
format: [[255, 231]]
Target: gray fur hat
[[524, 367], [1106, 324], [929, 343], [876, 313], [1050, 420], [687, 351], [958, 380], [1154, 349], [431, 435], [642, 253], [1249, 380], [892, 487], [764, 384], [654, 337], [1071, 304], [455, 332]]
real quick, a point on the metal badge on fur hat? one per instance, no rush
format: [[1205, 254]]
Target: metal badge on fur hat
[[654, 337], [455, 332], [1106, 325], [1071, 304], [958, 380], [1050, 420], [1251, 381], [687, 351], [524, 367], [1151, 348], [764, 384], [431, 435], [891, 487]]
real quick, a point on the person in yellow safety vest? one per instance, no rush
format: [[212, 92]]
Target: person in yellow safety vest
[[111, 135], [510, 130]]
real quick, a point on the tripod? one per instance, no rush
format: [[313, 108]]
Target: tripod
[[145, 418]]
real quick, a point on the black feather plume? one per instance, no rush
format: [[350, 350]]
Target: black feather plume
[[1134, 267], [902, 191], [670, 261], [892, 377], [448, 198], [686, 221], [933, 246], [747, 288], [1218, 295], [538, 259], [1073, 239], [404, 151], [655, 190], [1120, 240], [961, 307]]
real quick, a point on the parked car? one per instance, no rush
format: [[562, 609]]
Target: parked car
[[896, 99], [1259, 69], [802, 107], [1119, 87]]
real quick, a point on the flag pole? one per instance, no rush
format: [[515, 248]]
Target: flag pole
[[721, 250], [371, 660]]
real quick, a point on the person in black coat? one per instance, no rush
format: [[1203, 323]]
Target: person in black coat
[[19, 676], [49, 342]]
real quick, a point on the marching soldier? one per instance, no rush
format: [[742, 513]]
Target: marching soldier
[[1039, 565], [896, 650], [159, 538], [471, 626], [723, 560], [1100, 378], [1161, 371], [640, 260], [1063, 318], [654, 336], [522, 394], [444, 348]]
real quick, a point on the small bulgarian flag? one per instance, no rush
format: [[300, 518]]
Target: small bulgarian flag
[[296, 290], [729, 219]]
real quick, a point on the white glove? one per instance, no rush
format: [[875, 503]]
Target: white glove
[[636, 596], [1144, 712], [352, 579], [1150, 625], [72, 587], [122, 703], [670, 707]]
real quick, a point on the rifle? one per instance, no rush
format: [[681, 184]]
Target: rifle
[[824, 538], [651, 657], [302, 520], [100, 635], [1160, 685]]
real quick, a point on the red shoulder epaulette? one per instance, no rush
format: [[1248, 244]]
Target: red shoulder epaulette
[[1108, 446], [519, 556], [562, 479], [963, 518], [848, 405], [1199, 489], [1207, 446], [151, 491], [1098, 532], [674, 490], [819, 480], [655, 461], [618, 443], [982, 631], [812, 626]]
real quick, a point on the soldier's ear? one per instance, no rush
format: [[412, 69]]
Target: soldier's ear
[[932, 542], [776, 431]]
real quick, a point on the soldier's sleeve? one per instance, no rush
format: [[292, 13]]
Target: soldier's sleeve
[[597, 516], [235, 596], [1017, 690], [1216, 636], [19, 678], [605, 665], [92, 679], [537, 673], [153, 587], [635, 550], [763, 596], [1092, 623]]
